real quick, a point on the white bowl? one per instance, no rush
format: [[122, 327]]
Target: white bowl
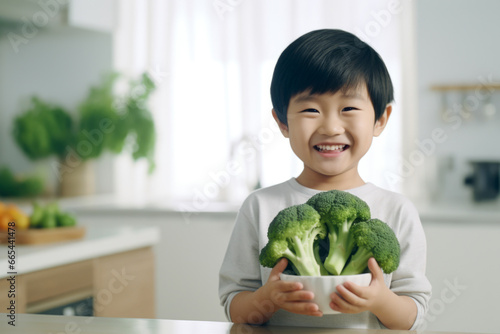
[[323, 286]]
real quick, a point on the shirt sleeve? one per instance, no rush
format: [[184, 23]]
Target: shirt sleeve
[[240, 270], [410, 279]]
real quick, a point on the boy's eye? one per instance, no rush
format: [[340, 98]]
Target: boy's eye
[[310, 110], [349, 109]]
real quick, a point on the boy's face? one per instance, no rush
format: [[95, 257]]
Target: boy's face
[[330, 133]]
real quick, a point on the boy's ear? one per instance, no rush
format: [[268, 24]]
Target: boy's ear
[[283, 127], [382, 121]]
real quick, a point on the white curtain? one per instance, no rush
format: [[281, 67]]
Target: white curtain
[[212, 61]]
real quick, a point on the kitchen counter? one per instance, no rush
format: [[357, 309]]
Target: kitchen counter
[[98, 241], [108, 205], [467, 212], [31, 324], [440, 210]]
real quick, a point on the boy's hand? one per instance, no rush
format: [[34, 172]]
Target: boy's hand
[[289, 296], [352, 298]]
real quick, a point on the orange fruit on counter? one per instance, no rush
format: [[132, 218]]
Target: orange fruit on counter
[[4, 222], [11, 213], [4, 219]]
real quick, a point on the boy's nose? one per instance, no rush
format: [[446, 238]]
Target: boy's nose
[[331, 127]]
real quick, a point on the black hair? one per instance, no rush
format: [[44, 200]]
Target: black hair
[[328, 60]]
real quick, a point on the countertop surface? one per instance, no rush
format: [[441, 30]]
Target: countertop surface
[[98, 241], [437, 211], [31, 324], [459, 212]]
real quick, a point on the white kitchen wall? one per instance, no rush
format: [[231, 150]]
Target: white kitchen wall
[[58, 64], [457, 43]]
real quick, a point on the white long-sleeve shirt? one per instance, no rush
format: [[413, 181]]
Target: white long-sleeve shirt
[[241, 270]]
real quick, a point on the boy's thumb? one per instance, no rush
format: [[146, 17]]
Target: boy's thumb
[[374, 268], [278, 269]]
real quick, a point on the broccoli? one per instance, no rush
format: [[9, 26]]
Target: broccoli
[[373, 238], [292, 234], [339, 210], [320, 253], [300, 232]]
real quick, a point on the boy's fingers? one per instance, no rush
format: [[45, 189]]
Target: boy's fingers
[[352, 288], [298, 295], [353, 294], [290, 286], [292, 297], [306, 308], [302, 306]]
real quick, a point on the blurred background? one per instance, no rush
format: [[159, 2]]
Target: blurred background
[[157, 114]]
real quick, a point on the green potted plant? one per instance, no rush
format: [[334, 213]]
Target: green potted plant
[[43, 130], [19, 185], [105, 121], [118, 122]]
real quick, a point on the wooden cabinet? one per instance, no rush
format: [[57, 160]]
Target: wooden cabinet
[[124, 285], [121, 285], [46, 289]]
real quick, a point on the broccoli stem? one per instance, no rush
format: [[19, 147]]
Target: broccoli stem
[[302, 257], [341, 246], [358, 262], [317, 256]]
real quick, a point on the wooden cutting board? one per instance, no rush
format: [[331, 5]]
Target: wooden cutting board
[[43, 236]]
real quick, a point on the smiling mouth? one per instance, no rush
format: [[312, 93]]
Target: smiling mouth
[[330, 148]]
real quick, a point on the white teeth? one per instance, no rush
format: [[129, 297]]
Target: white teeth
[[330, 147]]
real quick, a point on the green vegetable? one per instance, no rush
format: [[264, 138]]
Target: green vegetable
[[49, 221], [373, 238], [37, 216], [292, 234], [339, 210], [331, 234], [50, 216], [321, 248], [65, 219]]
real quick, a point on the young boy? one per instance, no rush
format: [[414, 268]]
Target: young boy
[[331, 95]]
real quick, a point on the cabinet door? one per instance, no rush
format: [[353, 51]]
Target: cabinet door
[[124, 285], [44, 289], [463, 267], [57, 282], [13, 291]]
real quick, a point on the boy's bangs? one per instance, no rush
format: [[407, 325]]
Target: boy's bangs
[[329, 74], [345, 82]]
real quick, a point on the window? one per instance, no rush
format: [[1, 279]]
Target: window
[[213, 61]]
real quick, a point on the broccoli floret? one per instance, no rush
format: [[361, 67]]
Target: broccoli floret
[[339, 210], [292, 234], [373, 238]]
